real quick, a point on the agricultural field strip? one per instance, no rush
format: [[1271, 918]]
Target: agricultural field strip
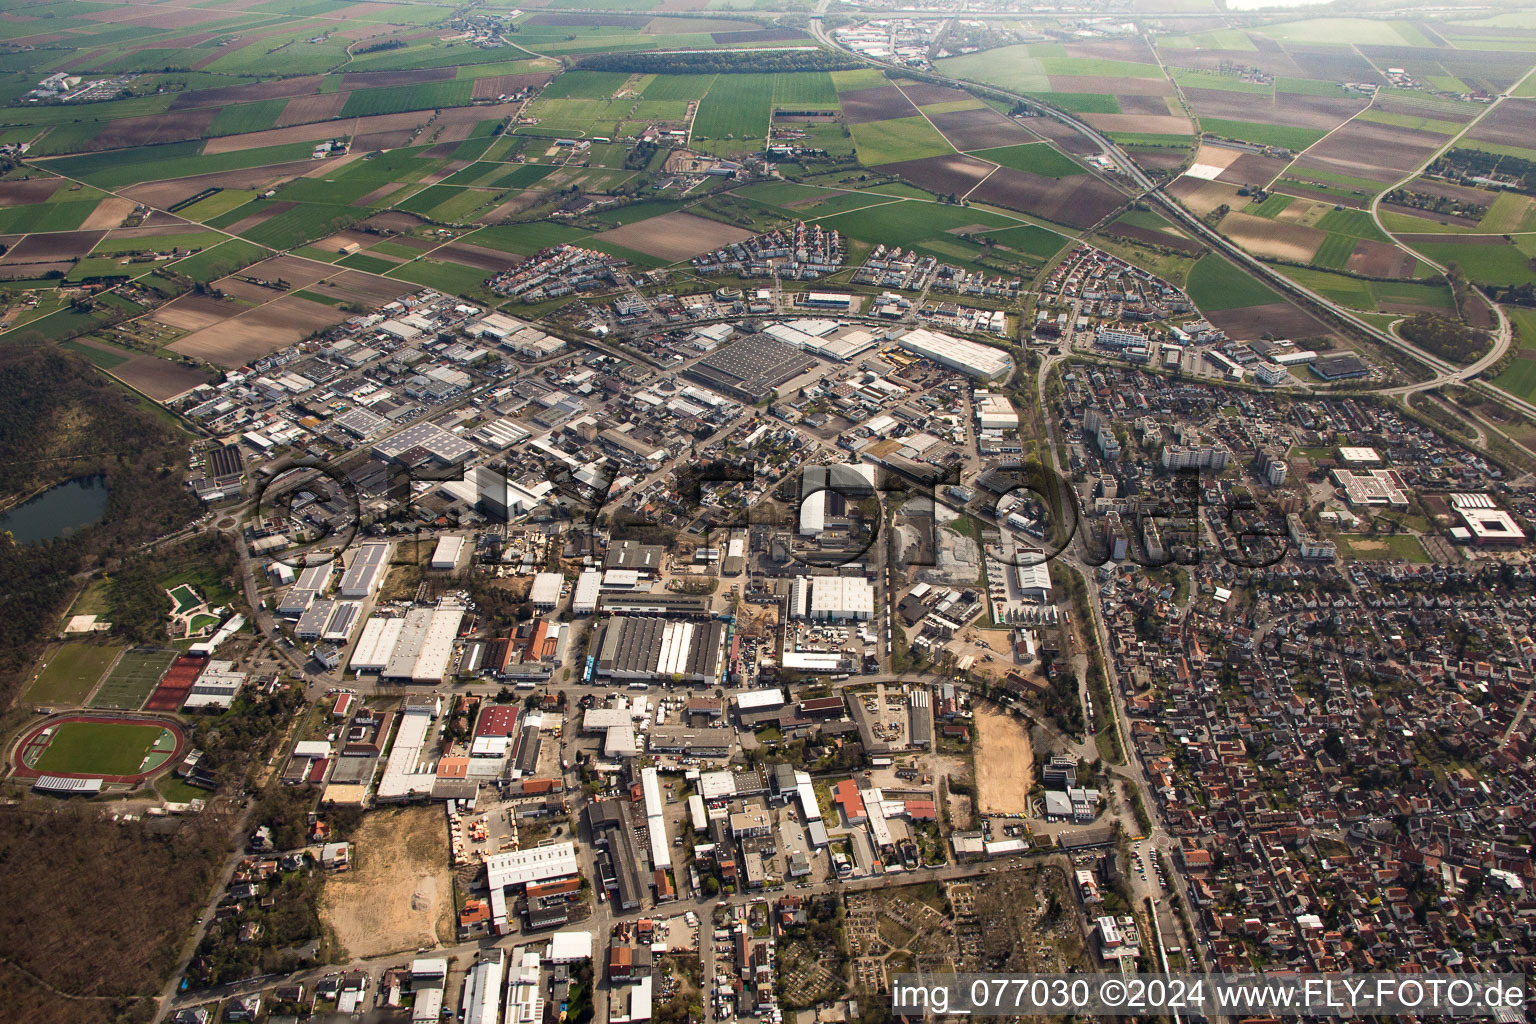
[[152, 267], [935, 127], [1449, 144]]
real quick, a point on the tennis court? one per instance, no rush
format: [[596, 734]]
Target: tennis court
[[133, 679]]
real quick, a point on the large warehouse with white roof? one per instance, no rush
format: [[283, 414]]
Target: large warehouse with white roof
[[968, 357]]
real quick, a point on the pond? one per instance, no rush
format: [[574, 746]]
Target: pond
[[58, 511]]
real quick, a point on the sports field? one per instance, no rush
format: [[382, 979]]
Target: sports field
[[133, 679], [105, 748], [70, 672]]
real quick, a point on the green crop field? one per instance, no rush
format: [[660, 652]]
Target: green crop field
[[804, 89], [395, 99], [1272, 205], [219, 261], [1355, 223], [901, 138], [912, 224], [1215, 284], [1028, 239], [247, 117], [100, 748], [1291, 138], [1081, 102], [1335, 251], [157, 243], [303, 223], [362, 261], [738, 106], [446, 277], [525, 239], [1498, 264], [678, 87], [70, 673], [1010, 67], [1520, 378], [176, 160], [1033, 157], [133, 679]]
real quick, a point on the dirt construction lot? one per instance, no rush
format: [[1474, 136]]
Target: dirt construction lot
[[1005, 763], [399, 894]]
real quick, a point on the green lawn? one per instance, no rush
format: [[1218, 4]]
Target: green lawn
[[70, 673], [1385, 547], [222, 259], [1011, 67], [1335, 251], [449, 278], [99, 748], [176, 160], [1215, 284], [1032, 157]]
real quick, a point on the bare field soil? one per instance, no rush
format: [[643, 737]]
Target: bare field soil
[[505, 85], [1378, 259], [142, 131], [1167, 124], [1133, 49], [942, 174], [517, 204], [479, 257], [227, 94], [384, 79], [1156, 106], [195, 312], [978, 128], [1005, 762], [1203, 196], [109, 213], [258, 331], [26, 193], [399, 894], [1331, 198], [880, 104], [1320, 112], [1159, 160], [1272, 238], [1152, 236], [158, 378], [924, 94], [171, 192], [394, 220], [675, 236], [1512, 124], [1079, 201], [1067, 138], [57, 245], [1379, 152], [296, 272], [1253, 169], [316, 132], [28, 271], [1332, 63], [333, 243], [1276, 319], [261, 216], [316, 107], [1111, 86], [368, 289]]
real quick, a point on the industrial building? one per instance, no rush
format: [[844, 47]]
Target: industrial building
[[639, 647], [445, 556], [968, 357], [521, 868], [424, 646], [366, 570], [428, 440], [832, 598], [750, 368]]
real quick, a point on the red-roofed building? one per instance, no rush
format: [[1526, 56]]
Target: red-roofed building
[[848, 799], [921, 810], [497, 720]]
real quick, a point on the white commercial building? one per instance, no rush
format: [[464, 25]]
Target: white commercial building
[[842, 598], [445, 556], [995, 412], [481, 1001], [588, 587], [405, 774], [376, 644], [968, 357], [545, 592], [216, 687]]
